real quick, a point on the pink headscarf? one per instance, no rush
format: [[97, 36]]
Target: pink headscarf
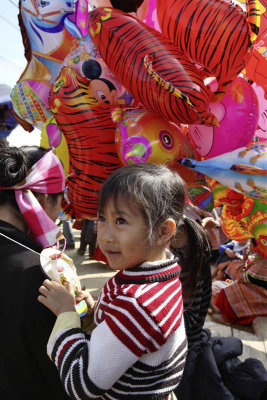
[[45, 176]]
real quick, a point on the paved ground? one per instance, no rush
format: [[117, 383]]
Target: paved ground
[[93, 276]]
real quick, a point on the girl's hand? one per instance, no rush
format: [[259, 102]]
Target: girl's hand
[[90, 302], [56, 297]]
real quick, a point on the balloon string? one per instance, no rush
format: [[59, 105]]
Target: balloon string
[[28, 248]]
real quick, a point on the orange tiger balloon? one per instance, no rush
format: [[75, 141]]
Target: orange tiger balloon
[[89, 132], [216, 34], [150, 67]]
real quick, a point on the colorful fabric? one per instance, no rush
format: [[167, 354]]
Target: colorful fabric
[[246, 299], [45, 176], [138, 348]]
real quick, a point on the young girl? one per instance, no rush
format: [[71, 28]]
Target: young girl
[[138, 347]]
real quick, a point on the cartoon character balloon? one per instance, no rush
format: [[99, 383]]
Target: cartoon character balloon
[[48, 35], [238, 114], [143, 136], [104, 86], [215, 34], [242, 217], [256, 67], [149, 66], [243, 170], [89, 132]]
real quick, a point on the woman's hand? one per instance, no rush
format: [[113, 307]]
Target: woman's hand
[[56, 297]]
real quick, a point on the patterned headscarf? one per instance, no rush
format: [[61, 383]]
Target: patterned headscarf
[[45, 176]]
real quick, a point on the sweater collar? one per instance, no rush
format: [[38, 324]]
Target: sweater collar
[[148, 272]]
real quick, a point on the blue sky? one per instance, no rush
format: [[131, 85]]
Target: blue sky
[[12, 64], [12, 60]]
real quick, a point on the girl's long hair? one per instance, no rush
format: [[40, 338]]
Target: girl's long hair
[[197, 255]]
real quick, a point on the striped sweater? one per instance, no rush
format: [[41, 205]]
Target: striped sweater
[[138, 348]]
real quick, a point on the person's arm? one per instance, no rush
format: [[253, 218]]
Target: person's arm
[[88, 365]]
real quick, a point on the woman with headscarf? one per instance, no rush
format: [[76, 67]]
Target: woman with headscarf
[[32, 182]]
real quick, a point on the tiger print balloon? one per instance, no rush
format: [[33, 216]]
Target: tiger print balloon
[[89, 131], [216, 34], [150, 67]]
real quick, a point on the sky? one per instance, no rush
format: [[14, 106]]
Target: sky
[[12, 63]]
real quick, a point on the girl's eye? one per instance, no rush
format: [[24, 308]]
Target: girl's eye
[[101, 218], [120, 221]]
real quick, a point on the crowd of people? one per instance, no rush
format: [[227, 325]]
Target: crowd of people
[[148, 339]]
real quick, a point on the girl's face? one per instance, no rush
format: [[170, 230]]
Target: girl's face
[[122, 236]]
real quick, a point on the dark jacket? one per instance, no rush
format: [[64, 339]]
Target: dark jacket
[[26, 372], [213, 371]]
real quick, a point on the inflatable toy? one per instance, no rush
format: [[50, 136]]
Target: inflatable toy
[[148, 65], [143, 136], [51, 136], [256, 67], [238, 115], [104, 86], [243, 170], [261, 131], [216, 34], [48, 35], [89, 132]]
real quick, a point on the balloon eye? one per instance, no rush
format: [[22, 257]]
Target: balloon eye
[[43, 3], [166, 140]]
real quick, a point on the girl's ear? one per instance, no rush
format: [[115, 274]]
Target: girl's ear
[[166, 231]]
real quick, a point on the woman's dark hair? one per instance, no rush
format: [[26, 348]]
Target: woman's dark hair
[[127, 5], [157, 191], [14, 166]]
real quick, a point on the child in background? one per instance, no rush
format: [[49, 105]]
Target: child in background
[[138, 348]]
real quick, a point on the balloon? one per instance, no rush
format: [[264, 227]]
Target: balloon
[[149, 66], [143, 136], [87, 62], [261, 131], [51, 136], [256, 67], [243, 170], [89, 133], [151, 17], [242, 217], [238, 114], [250, 223], [215, 34], [7, 120], [48, 36]]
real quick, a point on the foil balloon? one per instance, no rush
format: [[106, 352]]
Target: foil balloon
[[148, 65], [143, 136], [151, 17], [250, 223], [242, 217], [104, 86], [215, 34], [256, 67], [89, 133], [48, 34], [261, 131], [243, 170], [238, 115], [51, 136]]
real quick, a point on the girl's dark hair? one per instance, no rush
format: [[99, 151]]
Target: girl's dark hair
[[14, 165], [127, 5], [196, 258], [157, 191]]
